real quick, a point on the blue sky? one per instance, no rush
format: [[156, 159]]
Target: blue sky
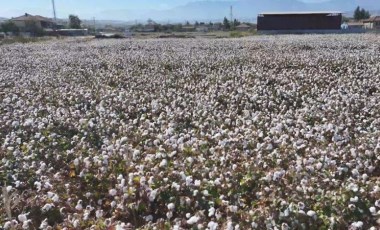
[[84, 8]]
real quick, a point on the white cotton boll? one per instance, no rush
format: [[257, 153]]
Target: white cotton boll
[[23, 217], [190, 160], [169, 215], [44, 224], [377, 203], [355, 172], [301, 205], [76, 223], [47, 185], [319, 166], [79, 206], [197, 183], [38, 185], [50, 194], [163, 163], [230, 225], [357, 225], [26, 224], [354, 199], [188, 215], [99, 214], [189, 180], [152, 195], [192, 220], [211, 212], [372, 210], [148, 218], [212, 225], [171, 206], [112, 192], [254, 225], [172, 154], [233, 208], [47, 207], [176, 186], [285, 226], [311, 213], [135, 154]]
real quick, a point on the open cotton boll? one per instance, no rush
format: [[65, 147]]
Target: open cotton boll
[[192, 220]]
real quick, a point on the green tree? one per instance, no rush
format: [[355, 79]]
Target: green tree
[[226, 24], [9, 26], [236, 22], [74, 22], [361, 13]]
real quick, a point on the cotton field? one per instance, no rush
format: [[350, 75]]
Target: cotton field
[[268, 132]]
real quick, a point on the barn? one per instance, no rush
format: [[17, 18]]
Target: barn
[[299, 21]]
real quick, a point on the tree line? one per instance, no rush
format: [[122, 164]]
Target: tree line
[[361, 13]]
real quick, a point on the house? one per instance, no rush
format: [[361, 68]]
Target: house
[[24, 21], [202, 28], [243, 27], [299, 21], [355, 25], [188, 28], [372, 23], [217, 26]]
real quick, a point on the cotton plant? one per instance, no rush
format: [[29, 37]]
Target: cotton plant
[[267, 131]]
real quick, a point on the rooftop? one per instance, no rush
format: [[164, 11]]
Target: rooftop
[[372, 19], [29, 17], [243, 26]]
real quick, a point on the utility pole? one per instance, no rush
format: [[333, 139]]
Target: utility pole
[[55, 16], [94, 25], [231, 17]]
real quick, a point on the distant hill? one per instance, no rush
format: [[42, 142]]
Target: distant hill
[[247, 9], [3, 19]]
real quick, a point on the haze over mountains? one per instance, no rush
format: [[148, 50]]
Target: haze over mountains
[[242, 9]]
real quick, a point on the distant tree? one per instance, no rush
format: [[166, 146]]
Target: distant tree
[[74, 22], [226, 24], [236, 22], [361, 13], [150, 22], [196, 23], [9, 26], [210, 23], [187, 23], [365, 14], [345, 19]]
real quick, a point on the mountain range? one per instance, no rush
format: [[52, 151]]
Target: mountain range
[[242, 9]]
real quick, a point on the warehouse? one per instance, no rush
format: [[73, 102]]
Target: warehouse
[[299, 21]]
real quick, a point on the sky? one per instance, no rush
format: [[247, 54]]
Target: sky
[[85, 8]]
